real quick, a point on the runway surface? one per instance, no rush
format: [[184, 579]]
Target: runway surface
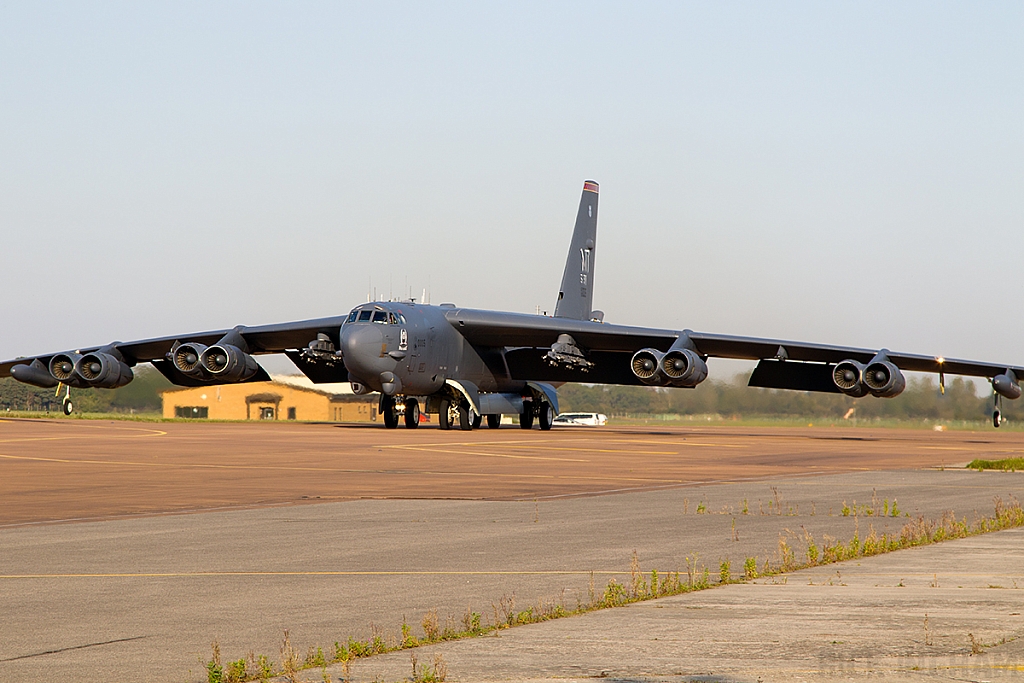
[[60, 470], [406, 522]]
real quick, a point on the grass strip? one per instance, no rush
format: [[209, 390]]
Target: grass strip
[[1008, 464], [641, 587]]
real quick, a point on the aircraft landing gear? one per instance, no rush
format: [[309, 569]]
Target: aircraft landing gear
[[546, 416], [412, 413], [477, 421], [493, 421], [997, 413], [447, 414], [389, 410], [67, 406], [526, 417], [465, 417]]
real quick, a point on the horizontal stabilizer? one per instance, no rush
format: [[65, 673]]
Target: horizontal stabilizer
[[778, 374]]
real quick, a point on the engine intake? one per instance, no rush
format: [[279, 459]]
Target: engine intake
[[883, 379], [62, 367], [645, 365], [228, 363], [187, 359], [849, 376]]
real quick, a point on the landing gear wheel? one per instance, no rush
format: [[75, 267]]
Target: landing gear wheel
[[68, 407], [465, 418], [546, 417], [387, 406], [412, 413], [477, 420], [493, 421], [526, 418], [445, 417], [997, 418]]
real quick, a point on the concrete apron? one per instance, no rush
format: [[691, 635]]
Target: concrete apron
[[904, 616]]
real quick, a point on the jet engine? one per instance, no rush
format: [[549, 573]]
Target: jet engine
[[645, 365], [1006, 385], [677, 368], [62, 367], [228, 363], [684, 368], [883, 379], [848, 376], [186, 359], [104, 369]]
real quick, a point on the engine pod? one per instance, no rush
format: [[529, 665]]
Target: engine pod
[[883, 379], [103, 370], [228, 363], [848, 376]]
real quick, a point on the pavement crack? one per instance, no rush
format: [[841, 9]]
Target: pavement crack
[[73, 647]]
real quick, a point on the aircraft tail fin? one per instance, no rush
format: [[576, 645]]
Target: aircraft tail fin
[[576, 295]]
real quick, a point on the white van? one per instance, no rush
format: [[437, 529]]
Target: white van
[[580, 420]]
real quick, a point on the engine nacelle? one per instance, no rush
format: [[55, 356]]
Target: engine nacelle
[[646, 364], [62, 367], [187, 359], [883, 379], [677, 368], [1006, 385], [228, 363], [103, 370], [849, 377], [684, 368]]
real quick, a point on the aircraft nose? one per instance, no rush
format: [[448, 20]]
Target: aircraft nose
[[361, 350]]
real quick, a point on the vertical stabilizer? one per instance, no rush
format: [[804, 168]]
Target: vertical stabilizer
[[576, 295]]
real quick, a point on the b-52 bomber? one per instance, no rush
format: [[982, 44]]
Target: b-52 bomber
[[465, 365]]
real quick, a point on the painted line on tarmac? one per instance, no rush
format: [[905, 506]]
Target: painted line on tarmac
[[187, 575], [69, 437]]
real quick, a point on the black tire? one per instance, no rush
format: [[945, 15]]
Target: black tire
[[67, 406], [493, 421], [526, 418], [412, 413], [465, 418], [477, 421], [387, 405], [444, 414], [546, 416], [997, 419]]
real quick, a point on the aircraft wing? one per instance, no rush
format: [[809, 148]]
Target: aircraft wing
[[785, 364], [260, 339]]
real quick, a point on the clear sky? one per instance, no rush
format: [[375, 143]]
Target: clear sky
[[848, 173]]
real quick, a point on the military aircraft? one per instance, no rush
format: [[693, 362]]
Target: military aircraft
[[466, 364]]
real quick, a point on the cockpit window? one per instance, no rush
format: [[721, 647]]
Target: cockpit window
[[352, 316], [380, 317], [401, 318], [364, 316]]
